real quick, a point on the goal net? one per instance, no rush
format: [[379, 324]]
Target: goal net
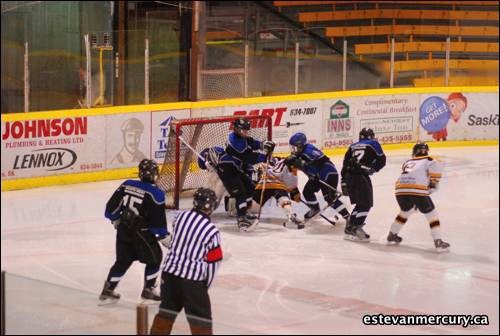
[[180, 172]]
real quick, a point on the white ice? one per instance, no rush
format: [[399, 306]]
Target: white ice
[[274, 280]]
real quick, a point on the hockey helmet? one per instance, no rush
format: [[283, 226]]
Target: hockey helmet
[[420, 149], [204, 200], [366, 134], [297, 142], [148, 171], [240, 125]]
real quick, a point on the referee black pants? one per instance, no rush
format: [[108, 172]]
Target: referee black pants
[[178, 293]]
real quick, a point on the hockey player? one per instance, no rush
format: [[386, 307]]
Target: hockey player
[[419, 178], [242, 151], [362, 159], [190, 268], [321, 172], [137, 211], [210, 163], [280, 183]]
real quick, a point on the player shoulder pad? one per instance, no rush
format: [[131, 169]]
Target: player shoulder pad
[[155, 192], [237, 143], [376, 146], [312, 153]]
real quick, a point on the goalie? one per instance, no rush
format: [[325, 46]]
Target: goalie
[[280, 183]]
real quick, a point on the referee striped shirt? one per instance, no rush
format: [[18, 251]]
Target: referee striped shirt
[[194, 243]]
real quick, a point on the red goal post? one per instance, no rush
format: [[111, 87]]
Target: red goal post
[[180, 172]]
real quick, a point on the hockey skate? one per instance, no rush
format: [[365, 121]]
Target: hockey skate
[[108, 296], [294, 223], [394, 238], [313, 211], [246, 224], [149, 296], [356, 234], [441, 246]]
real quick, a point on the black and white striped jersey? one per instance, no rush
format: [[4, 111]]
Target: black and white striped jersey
[[196, 252]]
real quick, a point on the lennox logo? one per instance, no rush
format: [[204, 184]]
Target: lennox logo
[[275, 113], [53, 158]]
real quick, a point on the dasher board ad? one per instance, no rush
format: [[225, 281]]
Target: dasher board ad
[[45, 147]]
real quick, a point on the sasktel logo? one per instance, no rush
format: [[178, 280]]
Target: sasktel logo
[[49, 158], [31, 129]]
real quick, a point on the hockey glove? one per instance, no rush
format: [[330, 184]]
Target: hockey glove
[[345, 190], [166, 241], [268, 146], [432, 186], [115, 223], [295, 195]]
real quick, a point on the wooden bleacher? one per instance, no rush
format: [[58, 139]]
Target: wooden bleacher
[[413, 14], [420, 29], [424, 46], [411, 30]]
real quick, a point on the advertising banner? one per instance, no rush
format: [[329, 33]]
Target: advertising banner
[[288, 118], [392, 118], [128, 139], [161, 123], [458, 116], [44, 147]]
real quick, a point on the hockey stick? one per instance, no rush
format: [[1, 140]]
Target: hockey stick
[[266, 166], [191, 148]]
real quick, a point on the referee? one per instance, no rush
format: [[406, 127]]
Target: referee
[[191, 265]]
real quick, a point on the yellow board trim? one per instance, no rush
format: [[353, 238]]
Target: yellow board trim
[[239, 102]]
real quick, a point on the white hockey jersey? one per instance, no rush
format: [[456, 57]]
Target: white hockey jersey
[[279, 177], [417, 175]]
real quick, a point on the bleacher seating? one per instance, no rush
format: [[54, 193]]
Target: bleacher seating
[[420, 30]]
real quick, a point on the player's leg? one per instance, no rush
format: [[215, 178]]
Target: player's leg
[[407, 208], [150, 253], [125, 256], [363, 195], [285, 203], [310, 199], [332, 178], [426, 206]]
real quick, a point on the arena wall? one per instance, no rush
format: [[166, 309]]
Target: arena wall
[[73, 146]]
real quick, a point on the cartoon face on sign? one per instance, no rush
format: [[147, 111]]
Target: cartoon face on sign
[[435, 112], [457, 103]]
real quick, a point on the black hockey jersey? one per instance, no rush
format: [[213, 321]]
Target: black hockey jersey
[[145, 200], [363, 157]]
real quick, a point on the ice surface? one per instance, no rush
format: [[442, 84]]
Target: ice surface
[[276, 280]]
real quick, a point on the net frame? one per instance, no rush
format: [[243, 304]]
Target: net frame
[[261, 124]]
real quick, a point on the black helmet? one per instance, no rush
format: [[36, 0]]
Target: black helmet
[[241, 124], [420, 149], [204, 200], [148, 170], [366, 134]]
